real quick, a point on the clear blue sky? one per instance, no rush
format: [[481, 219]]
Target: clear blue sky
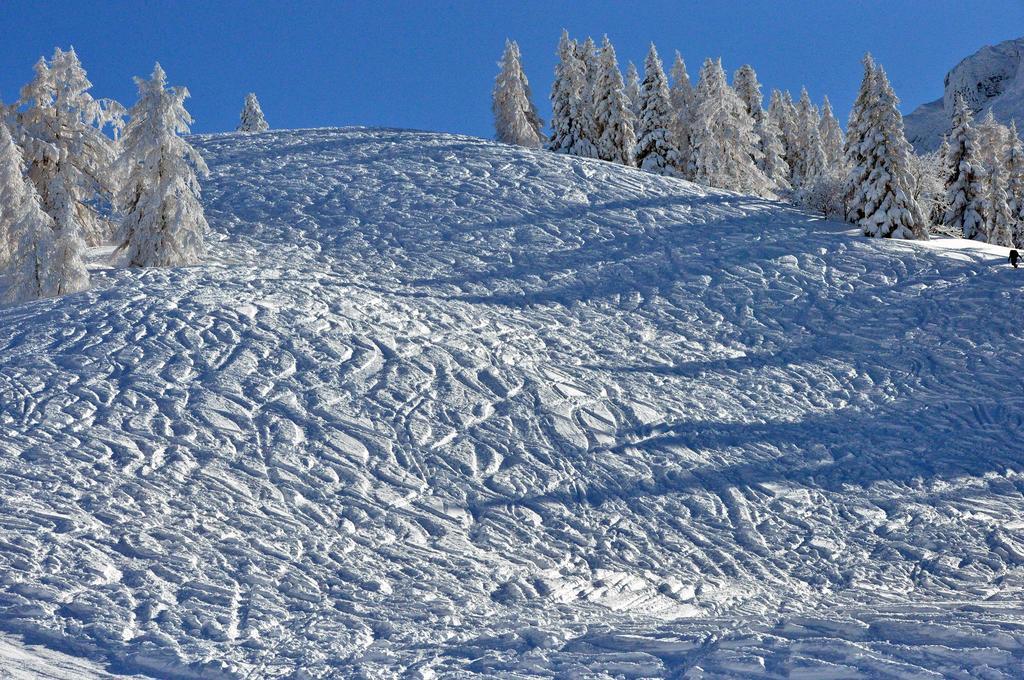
[[431, 64]]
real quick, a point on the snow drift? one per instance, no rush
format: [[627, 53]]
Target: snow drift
[[436, 405], [991, 78]]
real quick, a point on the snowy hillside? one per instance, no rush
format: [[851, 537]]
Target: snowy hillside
[[441, 406], [991, 78]]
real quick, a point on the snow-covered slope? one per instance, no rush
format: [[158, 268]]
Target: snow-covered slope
[[441, 406], [991, 78]]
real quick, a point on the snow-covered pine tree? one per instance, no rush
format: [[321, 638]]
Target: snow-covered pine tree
[[656, 149], [164, 223], [568, 114], [70, 159], [1015, 184], [890, 210], [681, 95], [965, 190], [725, 152], [856, 130], [589, 57], [613, 122], [784, 113], [831, 135], [998, 218], [252, 119], [744, 81], [811, 156], [773, 161], [27, 230], [633, 90], [515, 117]]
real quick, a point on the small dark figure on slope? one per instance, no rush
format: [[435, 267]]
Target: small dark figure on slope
[[1014, 257]]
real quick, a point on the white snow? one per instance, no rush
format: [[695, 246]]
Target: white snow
[[437, 406]]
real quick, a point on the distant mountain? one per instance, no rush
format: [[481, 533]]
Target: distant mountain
[[992, 77]]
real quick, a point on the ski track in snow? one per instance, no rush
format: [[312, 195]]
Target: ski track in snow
[[437, 406]]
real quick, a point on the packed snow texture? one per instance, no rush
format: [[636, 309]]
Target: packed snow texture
[[991, 78], [440, 406]]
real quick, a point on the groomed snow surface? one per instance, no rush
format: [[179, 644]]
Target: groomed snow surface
[[437, 406]]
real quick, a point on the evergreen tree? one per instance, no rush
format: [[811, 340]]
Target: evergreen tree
[[998, 218], [1015, 184], [772, 162], [656, 149], [568, 114], [886, 196], [616, 140], [633, 91], [965, 192], [515, 117], [725, 152], [744, 81], [70, 160], [856, 130], [831, 135], [784, 113], [590, 59], [811, 159], [252, 119], [681, 96], [27, 230], [164, 223]]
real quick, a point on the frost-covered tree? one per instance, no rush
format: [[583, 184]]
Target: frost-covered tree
[[831, 135], [810, 156], [1015, 184], [568, 113], [589, 57], [164, 223], [772, 162], [965, 190], [725, 148], [515, 117], [826, 192], [744, 81], [28, 265], [70, 160], [681, 95], [856, 131], [929, 190], [656, 149], [633, 90], [616, 139], [886, 196], [252, 119], [999, 225], [784, 113]]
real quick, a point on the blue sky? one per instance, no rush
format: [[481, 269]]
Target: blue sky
[[431, 65]]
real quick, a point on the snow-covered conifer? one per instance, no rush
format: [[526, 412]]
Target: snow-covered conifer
[[999, 225], [744, 81], [164, 223], [589, 57], [1015, 184], [656, 149], [252, 119], [725, 152], [889, 208], [856, 130], [784, 113], [27, 230], [831, 135], [965, 190], [69, 159], [811, 158], [568, 113], [515, 117], [613, 123], [773, 162], [633, 90], [681, 95]]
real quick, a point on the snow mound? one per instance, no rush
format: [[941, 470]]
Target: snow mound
[[991, 78], [439, 406]]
